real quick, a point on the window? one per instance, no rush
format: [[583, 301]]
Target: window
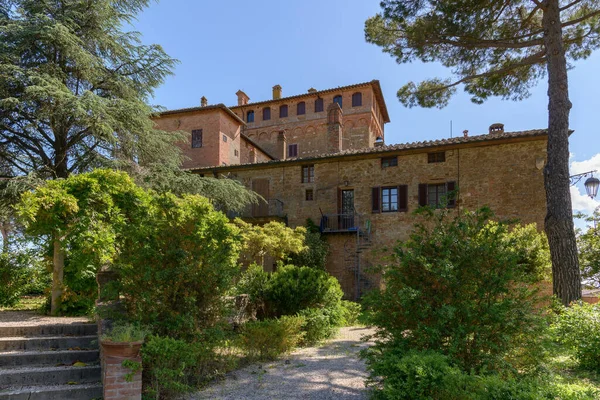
[[389, 162], [250, 116], [437, 195], [301, 108], [236, 153], [225, 138], [283, 111], [357, 99], [308, 173], [266, 113], [390, 199], [436, 157], [318, 105], [292, 150], [309, 195], [338, 99], [196, 138]]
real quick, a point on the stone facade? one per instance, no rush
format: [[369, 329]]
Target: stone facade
[[341, 174]]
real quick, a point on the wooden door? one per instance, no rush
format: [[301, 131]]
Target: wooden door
[[261, 186]]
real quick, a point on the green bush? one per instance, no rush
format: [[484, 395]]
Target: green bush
[[254, 282], [173, 366], [292, 289], [350, 312], [462, 286], [265, 340], [317, 325], [14, 276], [317, 248], [578, 327]]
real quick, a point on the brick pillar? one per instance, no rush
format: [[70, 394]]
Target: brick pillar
[[252, 156], [281, 146], [334, 128], [119, 382]]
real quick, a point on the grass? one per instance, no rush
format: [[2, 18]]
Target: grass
[[568, 372], [27, 303]]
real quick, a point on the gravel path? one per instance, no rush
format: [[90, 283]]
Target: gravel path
[[331, 371], [33, 318]]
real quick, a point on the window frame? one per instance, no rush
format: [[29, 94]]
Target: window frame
[[289, 150], [393, 159], [224, 138], [450, 195], [309, 175], [341, 100], [319, 105], [266, 116], [389, 202], [377, 196], [357, 99], [309, 195], [281, 111], [301, 107], [248, 114], [436, 157], [197, 143]]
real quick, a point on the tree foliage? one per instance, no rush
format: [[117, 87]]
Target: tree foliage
[[73, 88], [273, 239], [588, 244], [502, 48]]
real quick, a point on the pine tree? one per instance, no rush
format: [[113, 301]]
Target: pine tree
[[502, 48], [74, 87]]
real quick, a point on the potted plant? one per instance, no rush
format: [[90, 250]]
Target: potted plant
[[123, 340]]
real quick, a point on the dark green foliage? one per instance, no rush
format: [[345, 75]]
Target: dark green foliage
[[267, 339], [73, 88], [462, 286], [292, 289], [173, 366], [255, 283], [13, 278], [176, 265], [578, 327], [315, 255], [350, 312], [588, 244]]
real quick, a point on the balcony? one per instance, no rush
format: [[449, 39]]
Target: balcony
[[263, 212], [344, 223]]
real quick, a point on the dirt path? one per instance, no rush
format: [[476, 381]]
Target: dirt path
[[330, 371]]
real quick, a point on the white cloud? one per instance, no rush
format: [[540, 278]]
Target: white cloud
[[581, 201], [578, 167]]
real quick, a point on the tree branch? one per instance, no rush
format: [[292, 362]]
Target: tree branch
[[569, 5], [578, 20]]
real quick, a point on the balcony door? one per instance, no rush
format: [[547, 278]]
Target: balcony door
[[346, 208], [261, 186]]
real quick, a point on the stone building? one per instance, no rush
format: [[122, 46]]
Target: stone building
[[324, 158]]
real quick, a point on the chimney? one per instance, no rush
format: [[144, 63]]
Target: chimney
[[281, 146], [466, 133], [203, 101], [243, 98], [312, 90], [379, 141], [334, 128], [496, 128], [276, 92]]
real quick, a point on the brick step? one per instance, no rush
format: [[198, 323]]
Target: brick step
[[50, 358], [44, 376], [48, 343], [78, 329], [60, 392]]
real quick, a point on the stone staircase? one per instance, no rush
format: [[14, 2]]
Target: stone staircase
[[50, 362]]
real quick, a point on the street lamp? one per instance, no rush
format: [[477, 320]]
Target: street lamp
[[591, 184]]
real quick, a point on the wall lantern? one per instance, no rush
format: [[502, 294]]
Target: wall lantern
[[591, 184]]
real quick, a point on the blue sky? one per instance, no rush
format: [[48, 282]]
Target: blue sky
[[226, 46]]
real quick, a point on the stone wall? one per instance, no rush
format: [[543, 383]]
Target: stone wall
[[506, 176]]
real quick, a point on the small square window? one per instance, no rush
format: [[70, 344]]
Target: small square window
[[308, 173], [225, 138], [389, 162], [436, 157], [309, 195], [292, 150]]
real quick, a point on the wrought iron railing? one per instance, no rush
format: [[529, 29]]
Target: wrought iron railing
[[348, 222]]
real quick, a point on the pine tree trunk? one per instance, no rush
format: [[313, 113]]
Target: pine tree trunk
[[57, 275], [559, 217]]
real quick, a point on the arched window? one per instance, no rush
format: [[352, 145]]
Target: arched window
[[318, 105], [338, 99], [266, 113], [357, 99], [250, 116], [283, 111], [301, 108]]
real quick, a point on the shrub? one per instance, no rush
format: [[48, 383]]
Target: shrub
[[578, 327], [13, 275], [254, 282], [317, 325], [265, 340], [462, 286], [292, 289], [315, 253], [173, 366], [350, 312]]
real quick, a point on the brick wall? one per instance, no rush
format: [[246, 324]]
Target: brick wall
[[114, 381], [507, 177]]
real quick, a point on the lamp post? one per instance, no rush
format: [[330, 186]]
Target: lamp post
[[591, 184]]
